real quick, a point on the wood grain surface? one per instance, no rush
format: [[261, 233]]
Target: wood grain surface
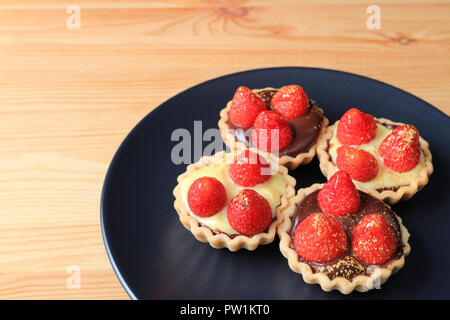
[[69, 97]]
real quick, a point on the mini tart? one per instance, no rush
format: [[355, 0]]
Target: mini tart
[[290, 160], [346, 273], [413, 180], [230, 238]]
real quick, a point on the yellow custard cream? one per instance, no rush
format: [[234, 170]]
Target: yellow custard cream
[[386, 177], [271, 190]]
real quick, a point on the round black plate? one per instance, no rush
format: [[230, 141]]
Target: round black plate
[[155, 257]]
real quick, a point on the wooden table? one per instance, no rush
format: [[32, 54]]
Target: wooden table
[[68, 97]]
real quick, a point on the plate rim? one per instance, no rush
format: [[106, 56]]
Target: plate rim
[[114, 160]]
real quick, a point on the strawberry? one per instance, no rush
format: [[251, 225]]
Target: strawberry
[[271, 132], [400, 150], [249, 213], [320, 238], [373, 240], [339, 195], [360, 164], [249, 169], [290, 101], [356, 128], [206, 196], [245, 106]]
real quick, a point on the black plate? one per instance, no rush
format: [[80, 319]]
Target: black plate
[[155, 257]]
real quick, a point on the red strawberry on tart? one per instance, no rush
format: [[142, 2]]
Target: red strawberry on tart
[[342, 238], [233, 200], [389, 160], [280, 122]]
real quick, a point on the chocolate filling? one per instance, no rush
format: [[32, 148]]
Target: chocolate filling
[[347, 266], [306, 128]]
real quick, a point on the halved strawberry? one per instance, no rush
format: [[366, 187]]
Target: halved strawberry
[[249, 169], [373, 240], [360, 164], [400, 150], [249, 213], [290, 101], [339, 195], [356, 128], [206, 196], [320, 238], [271, 133], [245, 106]]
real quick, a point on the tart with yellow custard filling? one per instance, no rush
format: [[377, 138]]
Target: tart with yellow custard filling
[[387, 159], [233, 201]]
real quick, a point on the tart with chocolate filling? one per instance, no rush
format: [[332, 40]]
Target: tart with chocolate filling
[[387, 159], [282, 123], [342, 238], [233, 200]]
